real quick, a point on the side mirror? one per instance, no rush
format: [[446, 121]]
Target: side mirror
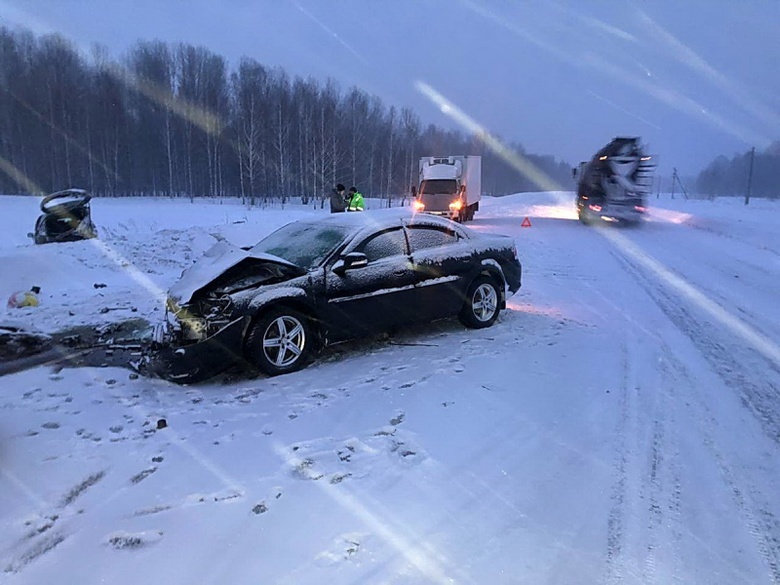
[[349, 262], [30, 235]]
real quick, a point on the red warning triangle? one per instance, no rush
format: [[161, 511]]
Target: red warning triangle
[[526, 223]]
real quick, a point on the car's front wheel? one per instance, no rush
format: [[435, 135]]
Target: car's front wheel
[[280, 341], [482, 304]]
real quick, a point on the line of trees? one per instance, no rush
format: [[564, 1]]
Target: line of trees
[[729, 177], [176, 120]]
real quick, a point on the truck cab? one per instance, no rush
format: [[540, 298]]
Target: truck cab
[[449, 186]]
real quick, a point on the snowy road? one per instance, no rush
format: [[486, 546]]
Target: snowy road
[[620, 424], [695, 425]]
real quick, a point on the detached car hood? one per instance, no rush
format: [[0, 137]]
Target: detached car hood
[[216, 262]]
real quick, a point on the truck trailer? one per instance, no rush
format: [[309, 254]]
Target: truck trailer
[[450, 186], [615, 184]]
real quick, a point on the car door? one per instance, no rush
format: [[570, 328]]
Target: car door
[[373, 297], [443, 263]]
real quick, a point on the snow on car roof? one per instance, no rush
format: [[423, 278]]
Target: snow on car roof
[[380, 218]]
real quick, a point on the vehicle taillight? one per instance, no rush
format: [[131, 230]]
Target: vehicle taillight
[[640, 208], [594, 207], [418, 205]]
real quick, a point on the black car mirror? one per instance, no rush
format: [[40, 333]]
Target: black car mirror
[[30, 235], [349, 262]]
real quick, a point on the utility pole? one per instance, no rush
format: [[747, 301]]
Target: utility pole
[[750, 175], [679, 182], [674, 180]]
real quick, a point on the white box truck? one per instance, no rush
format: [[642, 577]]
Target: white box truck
[[450, 186]]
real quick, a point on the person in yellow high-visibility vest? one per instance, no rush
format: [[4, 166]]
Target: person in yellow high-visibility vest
[[355, 200]]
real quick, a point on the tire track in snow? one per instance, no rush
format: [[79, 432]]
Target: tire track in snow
[[730, 236], [756, 279], [631, 255], [652, 492], [661, 485], [764, 404], [762, 398], [617, 520], [670, 471], [660, 482], [759, 521], [46, 537]]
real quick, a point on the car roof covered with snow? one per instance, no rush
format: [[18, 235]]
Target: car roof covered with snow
[[387, 218]]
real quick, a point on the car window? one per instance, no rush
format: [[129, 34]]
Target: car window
[[383, 245], [422, 237]]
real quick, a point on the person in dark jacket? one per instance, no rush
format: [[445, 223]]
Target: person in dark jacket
[[338, 199], [355, 200]]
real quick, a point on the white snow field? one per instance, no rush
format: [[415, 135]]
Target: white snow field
[[619, 424]]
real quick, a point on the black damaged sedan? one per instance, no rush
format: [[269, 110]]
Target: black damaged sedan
[[321, 281]]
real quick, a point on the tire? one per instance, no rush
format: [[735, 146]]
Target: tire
[[481, 308], [281, 341], [584, 218]]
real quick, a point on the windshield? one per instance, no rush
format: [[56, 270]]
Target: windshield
[[439, 186], [304, 244]]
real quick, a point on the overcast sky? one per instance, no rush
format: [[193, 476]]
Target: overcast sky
[[695, 79]]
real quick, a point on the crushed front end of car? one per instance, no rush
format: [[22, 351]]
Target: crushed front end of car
[[198, 341], [209, 310]]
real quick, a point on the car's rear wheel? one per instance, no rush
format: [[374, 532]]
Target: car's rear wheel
[[280, 341], [482, 304]]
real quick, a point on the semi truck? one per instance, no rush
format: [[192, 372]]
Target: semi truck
[[450, 186], [615, 183]]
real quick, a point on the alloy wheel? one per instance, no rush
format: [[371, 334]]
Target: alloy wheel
[[484, 302], [284, 341]]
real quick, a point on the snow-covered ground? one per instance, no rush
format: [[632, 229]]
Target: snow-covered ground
[[619, 424]]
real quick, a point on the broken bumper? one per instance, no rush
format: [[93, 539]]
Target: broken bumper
[[198, 361]]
